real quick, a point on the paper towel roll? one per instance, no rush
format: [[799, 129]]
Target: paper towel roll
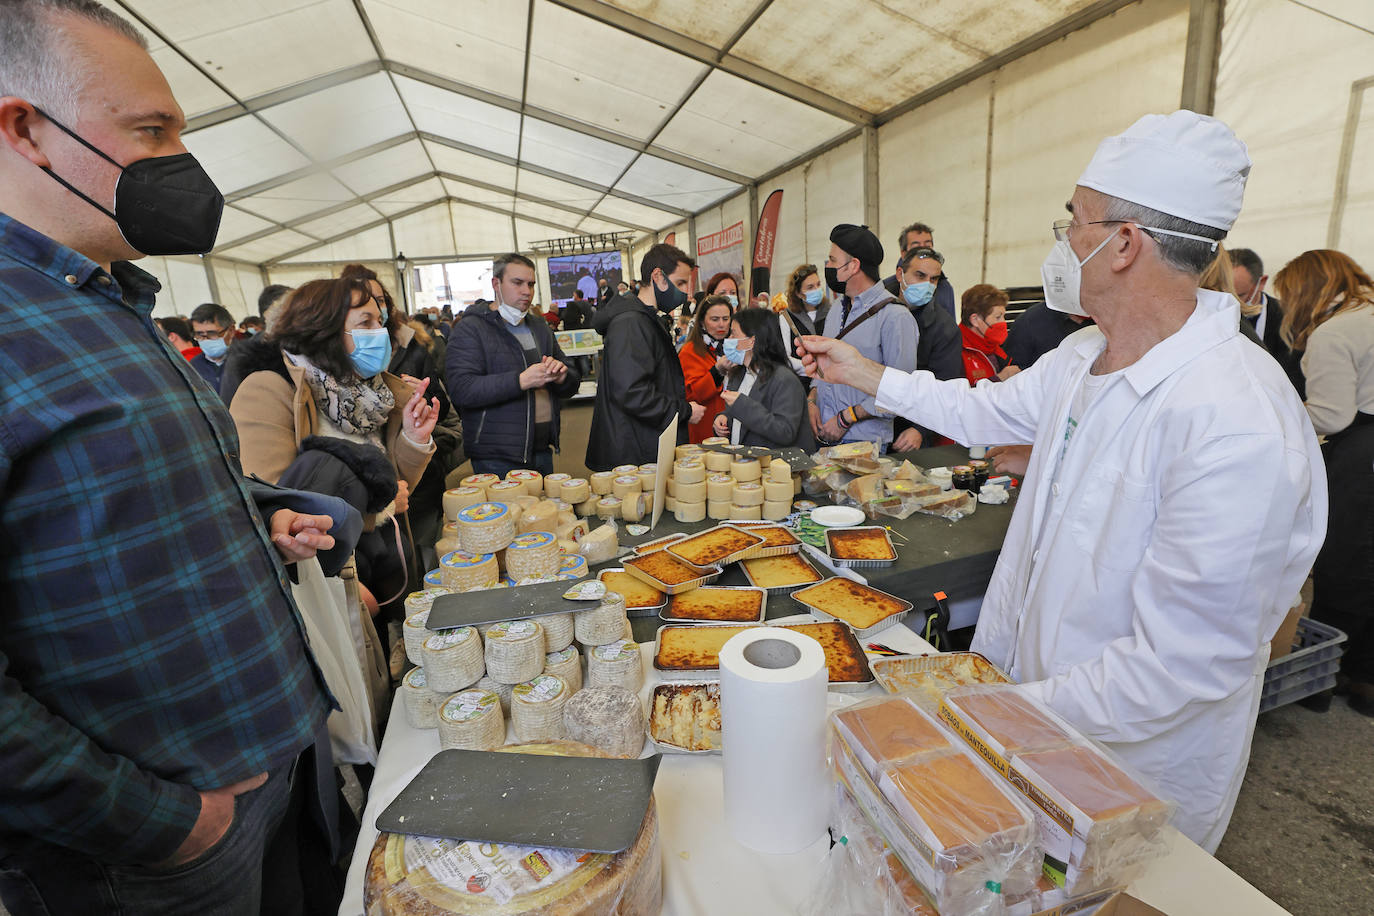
[[773, 691]]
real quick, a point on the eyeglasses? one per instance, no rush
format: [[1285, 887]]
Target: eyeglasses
[[210, 335], [1063, 227]]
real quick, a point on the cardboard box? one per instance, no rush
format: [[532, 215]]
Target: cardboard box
[[1282, 643]]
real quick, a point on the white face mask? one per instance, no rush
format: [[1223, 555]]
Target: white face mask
[[511, 313], [1062, 272]]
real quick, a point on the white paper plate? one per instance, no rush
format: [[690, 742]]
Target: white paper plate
[[837, 516]]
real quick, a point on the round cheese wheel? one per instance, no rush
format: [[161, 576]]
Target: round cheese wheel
[[486, 527], [532, 555], [747, 494], [780, 472], [600, 544], [421, 703], [690, 512], [567, 664], [460, 498], [603, 623], [777, 510], [609, 507], [624, 485], [745, 469], [452, 659], [558, 631], [689, 471], [471, 720], [574, 490], [502, 691], [746, 513], [717, 462], [686, 451], [607, 717], [460, 570], [671, 487], [778, 490], [692, 492], [718, 509], [553, 484], [414, 631], [615, 664], [669, 504], [648, 479], [588, 508], [715, 440], [435, 579], [536, 708], [632, 507], [422, 876], [572, 532], [602, 482], [720, 486], [542, 516], [480, 481], [531, 480], [571, 564], [621, 470], [506, 491], [515, 650]]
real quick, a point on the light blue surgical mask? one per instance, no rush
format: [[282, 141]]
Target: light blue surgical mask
[[918, 294], [733, 352], [371, 351], [734, 300], [813, 297], [214, 348]]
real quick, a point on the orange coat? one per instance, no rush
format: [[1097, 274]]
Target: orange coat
[[702, 387]]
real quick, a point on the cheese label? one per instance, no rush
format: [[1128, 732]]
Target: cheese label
[[617, 651], [720, 478], [468, 705], [483, 512], [506, 486], [481, 481], [434, 579], [592, 590], [610, 502], [512, 629], [751, 486], [460, 560], [488, 874], [562, 655], [522, 474], [626, 469], [541, 689], [532, 541], [415, 677], [636, 530], [572, 563], [627, 481], [423, 600], [689, 462], [418, 620], [447, 639], [558, 477]]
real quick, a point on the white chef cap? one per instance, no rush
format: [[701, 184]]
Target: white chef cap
[[1184, 164]]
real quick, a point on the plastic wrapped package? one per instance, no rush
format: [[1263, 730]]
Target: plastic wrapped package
[[601, 544], [887, 731], [814, 478], [1101, 824], [969, 841], [927, 678], [953, 505]]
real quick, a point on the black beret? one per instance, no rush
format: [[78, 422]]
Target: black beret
[[858, 242]]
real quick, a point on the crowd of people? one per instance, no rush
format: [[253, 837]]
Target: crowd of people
[[161, 481]]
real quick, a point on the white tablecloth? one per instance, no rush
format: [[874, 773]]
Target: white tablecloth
[[706, 873]]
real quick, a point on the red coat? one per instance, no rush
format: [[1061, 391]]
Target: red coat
[[982, 358], [702, 387]]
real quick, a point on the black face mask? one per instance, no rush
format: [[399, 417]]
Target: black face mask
[[163, 205], [832, 280], [668, 299]]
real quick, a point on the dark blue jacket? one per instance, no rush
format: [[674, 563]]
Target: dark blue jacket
[[208, 370], [483, 369]]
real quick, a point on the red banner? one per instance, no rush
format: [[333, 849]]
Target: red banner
[[764, 239]]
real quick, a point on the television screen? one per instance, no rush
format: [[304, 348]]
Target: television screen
[[584, 272]]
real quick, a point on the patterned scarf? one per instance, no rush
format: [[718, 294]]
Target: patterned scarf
[[358, 407]]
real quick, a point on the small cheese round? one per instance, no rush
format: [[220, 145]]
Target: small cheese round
[[575, 490], [607, 717], [747, 494], [720, 486], [567, 664], [460, 570], [536, 708], [588, 508], [480, 481], [778, 491], [717, 462], [686, 451], [632, 507], [617, 663], [780, 472], [460, 498], [690, 512], [421, 703], [746, 513], [609, 507], [671, 488], [515, 650], [692, 492], [745, 469], [452, 659], [648, 477], [471, 720], [602, 482], [572, 564], [688, 470], [533, 555], [669, 504], [603, 623], [414, 630], [531, 480], [625, 485], [486, 527], [542, 516], [502, 691], [718, 509], [506, 490], [553, 484], [777, 510], [558, 631], [715, 440]]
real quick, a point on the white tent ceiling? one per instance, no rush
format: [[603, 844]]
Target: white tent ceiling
[[468, 126]]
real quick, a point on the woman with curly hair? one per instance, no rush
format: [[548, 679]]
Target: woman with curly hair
[[807, 306]]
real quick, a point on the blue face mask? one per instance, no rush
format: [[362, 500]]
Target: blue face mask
[[813, 297], [730, 348], [918, 294], [371, 351], [214, 348], [734, 300]]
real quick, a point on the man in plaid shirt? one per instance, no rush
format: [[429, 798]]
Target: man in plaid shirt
[[155, 682]]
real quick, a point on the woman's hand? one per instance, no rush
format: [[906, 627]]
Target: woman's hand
[[723, 365], [418, 417], [729, 397], [721, 425]]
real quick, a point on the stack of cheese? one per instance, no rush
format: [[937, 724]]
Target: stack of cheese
[[725, 487], [534, 503], [625, 493], [612, 655]]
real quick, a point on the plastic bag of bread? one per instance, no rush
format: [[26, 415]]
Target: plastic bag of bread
[[1104, 822], [964, 837], [815, 479], [855, 457], [950, 504]]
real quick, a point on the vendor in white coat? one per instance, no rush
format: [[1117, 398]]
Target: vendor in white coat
[[1175, 497]]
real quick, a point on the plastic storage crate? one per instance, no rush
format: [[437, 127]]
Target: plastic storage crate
[[1309, 669]]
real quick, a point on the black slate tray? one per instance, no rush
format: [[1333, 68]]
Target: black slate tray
[[585, 803], [469, 609]]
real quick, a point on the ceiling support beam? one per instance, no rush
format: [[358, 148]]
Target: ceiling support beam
[[1201, 55], [339, 237]]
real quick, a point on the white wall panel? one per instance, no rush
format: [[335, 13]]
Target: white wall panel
[[712, 24], [476, 231], [239, 286], [268, 247], [370, 244], [426, 234], [468, 165], [438, 111], [480, 42], [297, 198], [406, 198], [672, 184], [242, 152], [234, 224], [567, 151], [386, 168]]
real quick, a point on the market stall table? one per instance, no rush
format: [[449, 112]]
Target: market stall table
[[707, 873]]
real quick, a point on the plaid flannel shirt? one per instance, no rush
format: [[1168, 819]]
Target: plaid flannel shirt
[[149, 644]]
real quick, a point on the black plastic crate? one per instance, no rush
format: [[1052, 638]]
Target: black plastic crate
[[1309, 669]]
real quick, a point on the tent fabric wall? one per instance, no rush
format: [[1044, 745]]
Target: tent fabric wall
[[1285, 82], [238, 286], [185, 284], [816, 196]]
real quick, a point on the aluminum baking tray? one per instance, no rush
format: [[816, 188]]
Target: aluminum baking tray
[[830, 533], [667, 613], [657, 544], [708, 574], [893, 671], [757, 553], [664, 746], [800, 596], [723, 560], [698, 674], [782, 589], [632, 610]]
